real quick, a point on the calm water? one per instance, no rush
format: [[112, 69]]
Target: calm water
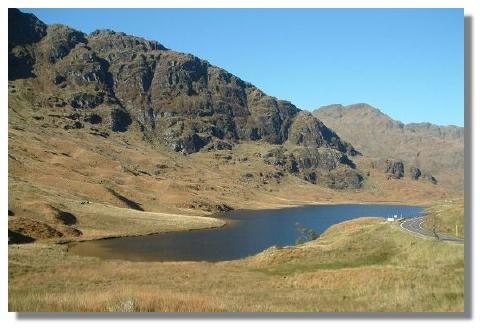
[[251, 232]]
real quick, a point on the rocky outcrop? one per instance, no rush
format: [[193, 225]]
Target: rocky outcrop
[[394, 168], [83, 100], [449, 132], [58, 42], [81, 69], [343, 178], [415, 173], [310, 177], [184, 101], [316, 165], [108, 41], [323, 158], [188, 142], [219, 145], [208, 206], [308, 131]]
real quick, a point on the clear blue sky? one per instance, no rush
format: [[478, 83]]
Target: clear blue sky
[[406, 62]]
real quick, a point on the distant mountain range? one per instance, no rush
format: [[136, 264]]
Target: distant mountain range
[[437, 149]]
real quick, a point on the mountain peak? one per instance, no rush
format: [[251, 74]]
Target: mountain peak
[[363, 106], [118, 83], [24, 28], [118, 40]]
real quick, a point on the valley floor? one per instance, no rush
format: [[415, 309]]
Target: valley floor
[[360, 265]]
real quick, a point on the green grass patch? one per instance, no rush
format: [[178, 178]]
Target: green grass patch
[[310, 265]]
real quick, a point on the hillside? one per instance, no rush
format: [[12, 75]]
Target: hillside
[[438, 150], [112, 82], [104, 124]]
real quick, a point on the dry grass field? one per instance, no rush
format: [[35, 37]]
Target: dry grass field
[[447, 217], [360, 265]]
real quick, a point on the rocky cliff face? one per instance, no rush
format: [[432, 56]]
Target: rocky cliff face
[[113, 82]]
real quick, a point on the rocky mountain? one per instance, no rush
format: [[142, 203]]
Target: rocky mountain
[[437, 150], [109, 134], [109, 82]]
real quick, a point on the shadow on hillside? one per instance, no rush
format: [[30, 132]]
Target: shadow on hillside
[[130, 203]]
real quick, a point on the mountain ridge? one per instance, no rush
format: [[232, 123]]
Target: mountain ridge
[[152, 83], [373, 108], [437, 149], [112, 82]]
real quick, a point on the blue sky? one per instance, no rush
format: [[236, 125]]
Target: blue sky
[[406, 62]]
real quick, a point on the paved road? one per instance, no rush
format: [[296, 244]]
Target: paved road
[[415, 225]]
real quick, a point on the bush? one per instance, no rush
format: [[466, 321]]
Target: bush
[[306, 234]]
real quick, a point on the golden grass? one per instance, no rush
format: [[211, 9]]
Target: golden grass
[[121, 300], [340, 271], [447, 217]]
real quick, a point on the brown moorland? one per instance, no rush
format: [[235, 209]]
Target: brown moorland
[[113, 135]]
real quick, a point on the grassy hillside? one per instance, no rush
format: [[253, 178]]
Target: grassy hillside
[[360, 265], [447, 217]]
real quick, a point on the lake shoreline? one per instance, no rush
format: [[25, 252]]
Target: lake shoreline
[[226, 220], [256, 231]]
